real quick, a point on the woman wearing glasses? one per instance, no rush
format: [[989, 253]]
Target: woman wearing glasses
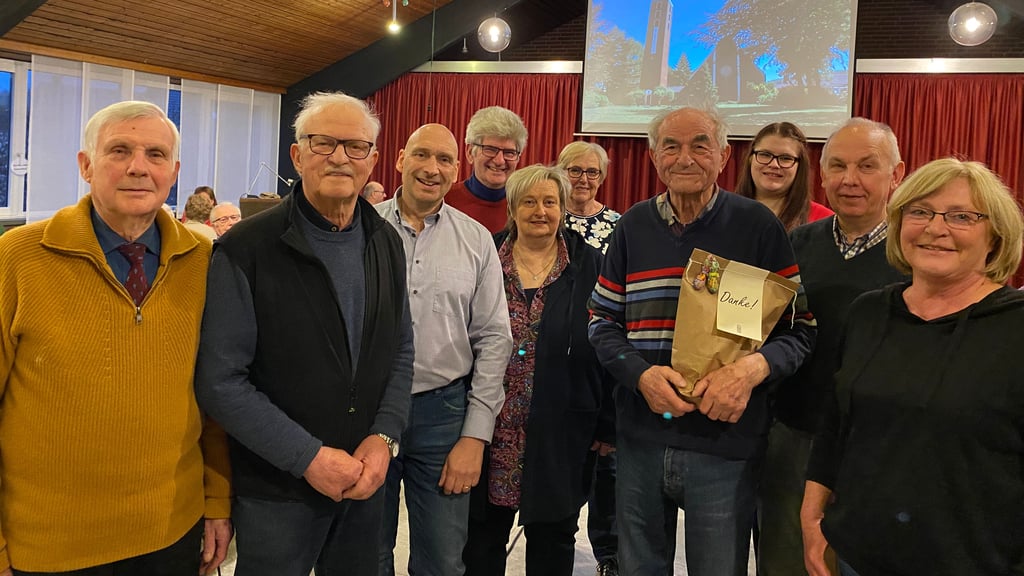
[[919, 468], [777, 174], [586, 164], [539, 462]]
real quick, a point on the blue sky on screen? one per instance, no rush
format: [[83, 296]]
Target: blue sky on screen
[[687, 16]]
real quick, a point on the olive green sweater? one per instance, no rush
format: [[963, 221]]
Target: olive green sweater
[[101, 441]]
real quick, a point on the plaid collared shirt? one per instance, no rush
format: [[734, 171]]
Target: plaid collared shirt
[[860, 244], [669, 216]]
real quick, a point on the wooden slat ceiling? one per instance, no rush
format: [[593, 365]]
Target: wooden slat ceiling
[[272, 43]]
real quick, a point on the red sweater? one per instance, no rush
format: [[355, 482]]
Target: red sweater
[[493, 215]]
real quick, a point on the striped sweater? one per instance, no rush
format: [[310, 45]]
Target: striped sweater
[[634, 307]]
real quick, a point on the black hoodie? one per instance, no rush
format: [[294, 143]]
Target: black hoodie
[[923, 443]]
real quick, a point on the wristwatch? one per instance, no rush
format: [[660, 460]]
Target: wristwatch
[[391, 442]]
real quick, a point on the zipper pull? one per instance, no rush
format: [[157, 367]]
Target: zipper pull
[[138, 315]]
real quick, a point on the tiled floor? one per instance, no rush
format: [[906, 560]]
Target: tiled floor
[[585, 565]]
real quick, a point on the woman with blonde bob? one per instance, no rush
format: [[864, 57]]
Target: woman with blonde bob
[[918, 469], [539, 462]]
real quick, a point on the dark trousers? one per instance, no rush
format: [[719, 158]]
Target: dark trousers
[[601, 527], [178, 559], [550, 546]]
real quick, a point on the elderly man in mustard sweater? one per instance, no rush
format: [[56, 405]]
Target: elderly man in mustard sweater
[[107, 462]]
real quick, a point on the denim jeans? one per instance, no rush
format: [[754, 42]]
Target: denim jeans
[[781, 546], [290, 538], [718, 495], [178, 559], [438, 523], [601, 527]]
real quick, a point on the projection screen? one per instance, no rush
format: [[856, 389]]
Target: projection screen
[[759, 61]]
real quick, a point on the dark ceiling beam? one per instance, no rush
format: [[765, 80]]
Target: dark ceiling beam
[[12, 12]]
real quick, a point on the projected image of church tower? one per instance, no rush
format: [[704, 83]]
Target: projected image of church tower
[[654, 64]]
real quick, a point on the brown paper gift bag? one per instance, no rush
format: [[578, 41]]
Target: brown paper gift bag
[[698, 346]]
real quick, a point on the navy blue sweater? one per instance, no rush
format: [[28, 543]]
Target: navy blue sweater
[[634, 309]]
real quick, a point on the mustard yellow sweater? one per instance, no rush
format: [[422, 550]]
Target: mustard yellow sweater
[[101, 441]]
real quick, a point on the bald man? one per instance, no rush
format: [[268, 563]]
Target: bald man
[[461, 334]]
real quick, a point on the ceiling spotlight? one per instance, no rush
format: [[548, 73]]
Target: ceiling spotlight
[[972, 24], [494, 34], [465, 49], [394, 26]]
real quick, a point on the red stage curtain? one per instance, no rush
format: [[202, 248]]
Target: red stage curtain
[[548, 104], [972, 116]]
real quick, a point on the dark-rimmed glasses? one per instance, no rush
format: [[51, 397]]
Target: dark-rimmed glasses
[[510, 154], [576, 172], [959, 219], [765, 158], [326, 145]]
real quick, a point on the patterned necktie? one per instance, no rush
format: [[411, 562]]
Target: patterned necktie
[[136, 283]]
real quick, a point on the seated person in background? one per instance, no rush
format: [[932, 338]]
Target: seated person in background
[[206, 190], [223, 216], [917, 468], [495, 138], [777, 173], [374, 192], [197, 213]]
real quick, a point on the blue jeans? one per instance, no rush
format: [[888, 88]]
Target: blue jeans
[[601, 527], [438, 523], [718, 496], [290, 538]]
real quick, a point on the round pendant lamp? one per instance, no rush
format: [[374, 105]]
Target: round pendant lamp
[[972, 24]]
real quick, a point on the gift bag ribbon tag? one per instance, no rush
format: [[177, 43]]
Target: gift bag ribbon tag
[[740, 297]]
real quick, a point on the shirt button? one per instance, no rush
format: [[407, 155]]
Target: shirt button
[[415, 291]]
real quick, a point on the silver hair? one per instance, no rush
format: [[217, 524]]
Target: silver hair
[[868, 124], [721, 127], [317, 102], [122, 112], [496, 122]]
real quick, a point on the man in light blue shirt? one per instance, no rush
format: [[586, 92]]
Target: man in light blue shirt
[[462, 342]]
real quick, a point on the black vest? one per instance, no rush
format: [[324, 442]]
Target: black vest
[[302, 362]]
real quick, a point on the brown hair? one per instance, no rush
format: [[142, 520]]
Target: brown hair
[[798, 198]]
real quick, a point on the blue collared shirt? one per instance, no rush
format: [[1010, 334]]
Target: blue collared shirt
[[110, 240]]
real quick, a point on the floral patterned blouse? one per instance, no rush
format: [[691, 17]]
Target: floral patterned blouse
[[508, 445], [596, 229]]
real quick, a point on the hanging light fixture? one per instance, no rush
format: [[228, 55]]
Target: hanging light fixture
[[494, 34], [972, 24], [394, 26]]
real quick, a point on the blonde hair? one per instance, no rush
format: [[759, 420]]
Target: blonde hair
[[522, 180], [988, 193], [578, 149]]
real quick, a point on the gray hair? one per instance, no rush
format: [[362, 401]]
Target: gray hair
[[522, 180], [216, 210], [496, 122], [711, 112], [123, 112], [318, 102], [578, 149], [872, 126]]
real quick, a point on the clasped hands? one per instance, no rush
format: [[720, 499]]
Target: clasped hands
[[723, 393], [339, 475]]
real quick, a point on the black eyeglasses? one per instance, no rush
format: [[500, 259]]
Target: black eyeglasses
[[326, 145], [765, 157], [510, 154], [960, 219], [576, 172]]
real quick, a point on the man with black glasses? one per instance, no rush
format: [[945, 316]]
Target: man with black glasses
[[495, 139], [306, 355]]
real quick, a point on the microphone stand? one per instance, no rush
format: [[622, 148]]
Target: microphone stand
[[288, 181]]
